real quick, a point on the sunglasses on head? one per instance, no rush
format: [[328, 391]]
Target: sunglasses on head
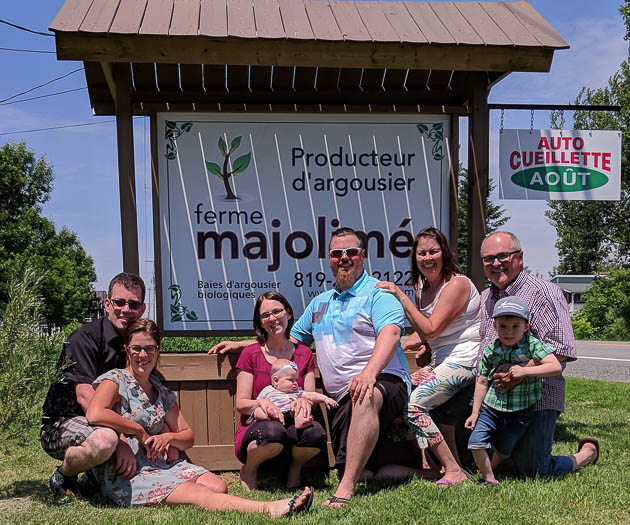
[[133, 305], [339, 252]]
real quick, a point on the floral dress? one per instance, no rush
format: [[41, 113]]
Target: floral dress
[[153, 480]]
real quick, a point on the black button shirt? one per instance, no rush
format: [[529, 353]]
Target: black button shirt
[[91, 350]]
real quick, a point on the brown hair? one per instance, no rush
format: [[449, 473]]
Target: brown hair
[[144, 326], [449, 265], [345, 232], [127, 281], [261, 333]]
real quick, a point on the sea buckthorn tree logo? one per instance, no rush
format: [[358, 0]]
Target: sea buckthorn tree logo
[[238, 166]]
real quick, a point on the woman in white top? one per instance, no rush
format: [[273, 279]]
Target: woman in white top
[[447, 316]]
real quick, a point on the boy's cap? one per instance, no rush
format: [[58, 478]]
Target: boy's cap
[[511, 306]]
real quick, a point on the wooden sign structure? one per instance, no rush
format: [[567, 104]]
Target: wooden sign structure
[[142, 57]]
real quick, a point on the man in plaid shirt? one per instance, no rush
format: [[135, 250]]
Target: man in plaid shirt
[[550, 322]]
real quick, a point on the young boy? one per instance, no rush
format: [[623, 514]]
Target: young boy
[[504, 417], [284, 389]]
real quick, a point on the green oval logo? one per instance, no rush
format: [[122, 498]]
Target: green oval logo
[[559, 179]]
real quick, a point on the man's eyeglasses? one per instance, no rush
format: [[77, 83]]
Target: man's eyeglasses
[[503, 257], [149, 349], [276, 313], [133, 305], [350, 252]]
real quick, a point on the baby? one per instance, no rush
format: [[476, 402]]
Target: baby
[[284, 389], [500, 419]]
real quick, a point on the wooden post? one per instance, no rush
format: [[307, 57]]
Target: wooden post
[[126, 169], [478, 172], [155, 193], [453, 229]]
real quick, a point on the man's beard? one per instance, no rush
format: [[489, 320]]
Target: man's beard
[[345, 279]]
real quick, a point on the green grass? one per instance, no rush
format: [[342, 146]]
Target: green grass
[[597, 494]]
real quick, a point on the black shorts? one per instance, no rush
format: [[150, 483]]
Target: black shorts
[[272, 431], [395, 399]]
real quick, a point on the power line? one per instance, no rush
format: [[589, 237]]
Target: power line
[[27, 50], [62, 127], [43, 96], [22, 28], [40, 85]]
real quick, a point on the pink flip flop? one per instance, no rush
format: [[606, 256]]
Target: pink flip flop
[[443, 482]]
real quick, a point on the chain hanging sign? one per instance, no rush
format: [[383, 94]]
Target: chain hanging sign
[[559, 164], [247, 204]]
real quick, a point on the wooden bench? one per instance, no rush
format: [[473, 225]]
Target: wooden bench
[[206, 390]]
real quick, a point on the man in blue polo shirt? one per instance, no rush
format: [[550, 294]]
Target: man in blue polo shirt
[[356, 329]]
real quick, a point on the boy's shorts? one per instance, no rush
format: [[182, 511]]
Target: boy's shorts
[[501, 430]]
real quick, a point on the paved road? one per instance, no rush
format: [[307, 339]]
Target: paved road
[[608, 360]]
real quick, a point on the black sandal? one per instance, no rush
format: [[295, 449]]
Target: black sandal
[[304, 508], [336, 499]]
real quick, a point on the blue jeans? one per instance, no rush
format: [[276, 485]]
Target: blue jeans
[[500, 429], [532, 454]]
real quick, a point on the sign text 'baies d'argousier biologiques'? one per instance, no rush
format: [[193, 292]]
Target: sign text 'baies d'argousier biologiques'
[[248, 203], [560, 164]]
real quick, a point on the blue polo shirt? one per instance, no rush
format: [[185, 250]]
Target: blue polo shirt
[[345, 326]]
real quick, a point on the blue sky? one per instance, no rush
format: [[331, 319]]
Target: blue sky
[[85, 195]]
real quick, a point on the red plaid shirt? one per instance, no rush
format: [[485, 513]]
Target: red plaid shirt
[[550, 322]]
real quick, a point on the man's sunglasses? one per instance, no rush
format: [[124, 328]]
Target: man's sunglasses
[[350, 252], [133, 305]]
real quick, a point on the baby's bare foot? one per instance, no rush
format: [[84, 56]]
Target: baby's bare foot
[[303, 422]]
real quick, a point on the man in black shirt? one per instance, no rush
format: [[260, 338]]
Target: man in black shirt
[[90, 351]]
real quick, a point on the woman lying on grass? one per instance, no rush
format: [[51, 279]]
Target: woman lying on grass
[[134, 402]]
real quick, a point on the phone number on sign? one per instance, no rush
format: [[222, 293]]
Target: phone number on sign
[[318, 279]]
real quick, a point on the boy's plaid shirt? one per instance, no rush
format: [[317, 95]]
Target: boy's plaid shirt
[[528, 391]]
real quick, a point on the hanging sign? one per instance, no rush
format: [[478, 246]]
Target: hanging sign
[[247, 203], [559, 164]]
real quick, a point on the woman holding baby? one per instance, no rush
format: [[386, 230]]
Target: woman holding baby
[[263, 429]]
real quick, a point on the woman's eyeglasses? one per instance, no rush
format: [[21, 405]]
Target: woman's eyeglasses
[[276, 313], [149, 349]]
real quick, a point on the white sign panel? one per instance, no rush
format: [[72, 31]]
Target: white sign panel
[[248, 203], [559, 164]]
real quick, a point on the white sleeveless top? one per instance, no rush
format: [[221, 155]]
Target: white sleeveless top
[[459, 343]]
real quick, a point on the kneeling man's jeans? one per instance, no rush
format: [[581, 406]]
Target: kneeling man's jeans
[[532, 454]]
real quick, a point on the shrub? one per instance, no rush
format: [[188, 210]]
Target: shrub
[[27, 358], [607, 306], [193, 344], [582, 328]]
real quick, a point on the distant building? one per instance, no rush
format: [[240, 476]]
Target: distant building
[[99, 304], [573, 287]]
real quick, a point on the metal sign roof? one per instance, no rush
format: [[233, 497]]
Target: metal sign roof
[[292, 52]]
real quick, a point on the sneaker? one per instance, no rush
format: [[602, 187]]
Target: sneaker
[[61, 485]]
